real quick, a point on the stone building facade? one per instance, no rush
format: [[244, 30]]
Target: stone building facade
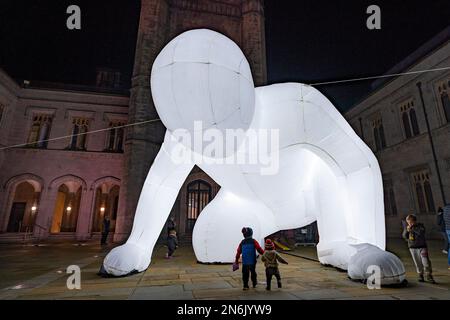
[[58, 188], [397, 124], [62, 188]]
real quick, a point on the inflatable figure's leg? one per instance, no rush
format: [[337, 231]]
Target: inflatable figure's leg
[[217, 232], [158, 195], [351, 207]]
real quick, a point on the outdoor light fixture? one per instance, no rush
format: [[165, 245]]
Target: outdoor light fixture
[[324, 171], [69, 209], [102, 209], [33, 209]]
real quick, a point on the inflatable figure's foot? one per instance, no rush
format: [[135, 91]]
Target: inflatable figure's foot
[[125, 260], [369, 258]]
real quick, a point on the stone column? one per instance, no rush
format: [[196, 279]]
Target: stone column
[[84, 215], [142, 142], [44, 213], [254, 39]]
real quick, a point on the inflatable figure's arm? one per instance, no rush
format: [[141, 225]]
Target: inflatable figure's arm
[[160, 190]]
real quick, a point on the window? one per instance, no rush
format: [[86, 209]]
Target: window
[[2, 109], [390, 205], [444, 97], [378, 133], [409, 119], [40, 130], [198, 196], [79, 130], [423, 192], [115, 136]]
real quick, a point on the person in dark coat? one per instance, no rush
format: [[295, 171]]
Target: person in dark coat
[[105, 230], [172, 244], [248, 248], [442, 228], [446, 216], [414, 234]]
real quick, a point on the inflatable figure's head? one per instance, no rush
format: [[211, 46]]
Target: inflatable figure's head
[[201, 75]]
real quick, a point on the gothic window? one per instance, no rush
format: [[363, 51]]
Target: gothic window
[[409, 119], [378, 133], [2, 109], [444, 97], [198, 196], [390, 205], [414, 124], [423, 191], [79, 130], [40, 130], [115, 136]]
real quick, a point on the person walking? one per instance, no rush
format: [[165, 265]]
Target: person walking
[[442, 228], [172, 243], [446, 215], [105, 230], [248, 248]]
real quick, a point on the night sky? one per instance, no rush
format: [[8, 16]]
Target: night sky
[[307, 41]]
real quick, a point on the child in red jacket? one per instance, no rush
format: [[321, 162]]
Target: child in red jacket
[[248, 248]]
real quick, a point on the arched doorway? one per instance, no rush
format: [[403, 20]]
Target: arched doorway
[[106, 205], [198, 196], [67, 206], [24, 207]]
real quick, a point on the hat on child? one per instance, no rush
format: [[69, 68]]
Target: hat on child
[[247, 232], [269, 245]]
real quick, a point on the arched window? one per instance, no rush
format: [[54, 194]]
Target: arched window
[[105, 205], [40, 131], [80, 127], [445, 99], [429, 196], [423, 191], [65, 213], [24, 208], [382, 136], [376, 137], [406, 125], [420, 198], [390, 205], [378, 133], [115, 136], [414, 124], [198, 196]]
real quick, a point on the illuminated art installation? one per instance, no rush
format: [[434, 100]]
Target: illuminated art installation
[[325, 172]]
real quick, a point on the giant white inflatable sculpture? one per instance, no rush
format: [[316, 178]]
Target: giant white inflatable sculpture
[[321, 170]]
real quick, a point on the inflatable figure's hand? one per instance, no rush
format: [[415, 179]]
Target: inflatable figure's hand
[[126, 259]]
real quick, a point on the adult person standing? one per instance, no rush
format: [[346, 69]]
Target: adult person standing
[[105, 230], [446, 215], [442, 228]]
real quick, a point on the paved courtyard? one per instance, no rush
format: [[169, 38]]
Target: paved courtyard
[[39, 272]]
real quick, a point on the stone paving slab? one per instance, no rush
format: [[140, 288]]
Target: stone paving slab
[[174, 292], [39, 273]]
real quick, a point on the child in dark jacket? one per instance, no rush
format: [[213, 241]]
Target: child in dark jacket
[[172, 243], [414, 234], [248, 248], [270, 259]]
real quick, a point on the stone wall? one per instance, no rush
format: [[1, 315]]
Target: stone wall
[[403, 156]]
